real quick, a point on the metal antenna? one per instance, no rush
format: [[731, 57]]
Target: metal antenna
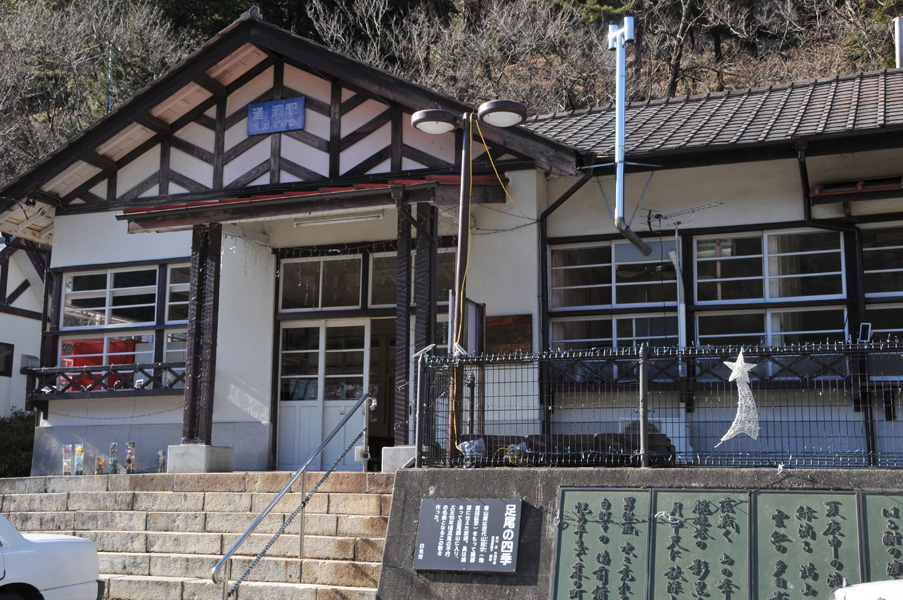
[[671, 221]]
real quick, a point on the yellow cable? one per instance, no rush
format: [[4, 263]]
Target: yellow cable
[[499, 177]]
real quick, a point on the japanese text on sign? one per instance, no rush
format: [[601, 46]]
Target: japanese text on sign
[[275, 116], [468, 535]]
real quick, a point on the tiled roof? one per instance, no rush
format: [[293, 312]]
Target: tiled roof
[[862, 103]]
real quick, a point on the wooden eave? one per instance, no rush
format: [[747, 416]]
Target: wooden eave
[[195, 70], [437, 189]]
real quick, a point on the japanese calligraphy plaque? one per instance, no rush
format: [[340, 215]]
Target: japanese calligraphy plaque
[[602, 544]]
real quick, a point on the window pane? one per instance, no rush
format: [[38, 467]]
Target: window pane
[[729, 268], [298, 388], [730, 290], [132, 314], [445, 275], [301, 338], [747, 329], [655, 331], [803, 242], [341, 283], [345, 338], [127, 279], [580, 277], [574, 297], [6, 359], [300, 285], [591, 333], [300, 363], [338, 363], [811, 326], [382, 280], [79, 283], [179, 275], [818, 285], [344, 388]]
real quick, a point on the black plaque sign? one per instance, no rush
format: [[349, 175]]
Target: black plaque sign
[[468, 534]]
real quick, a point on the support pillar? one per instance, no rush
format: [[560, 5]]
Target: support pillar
[[196, 453]]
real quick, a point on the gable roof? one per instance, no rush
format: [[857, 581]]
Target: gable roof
[[231, 59], [768, 120]]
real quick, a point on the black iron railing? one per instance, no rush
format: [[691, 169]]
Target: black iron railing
[[813, 406], [53, 383]]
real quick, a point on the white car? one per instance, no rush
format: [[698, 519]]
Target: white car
[[39, 566], [875, 590]]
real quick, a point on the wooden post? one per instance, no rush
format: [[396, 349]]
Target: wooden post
[[203, 312], [402, 326]]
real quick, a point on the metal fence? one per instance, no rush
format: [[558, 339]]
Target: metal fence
[[804, 406]]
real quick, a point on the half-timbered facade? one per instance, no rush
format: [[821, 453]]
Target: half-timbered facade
[[244, 248], [22, 268]]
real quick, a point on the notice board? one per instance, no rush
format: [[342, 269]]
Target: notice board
[[468, 534]]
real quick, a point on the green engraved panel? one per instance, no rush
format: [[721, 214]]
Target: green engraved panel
[[883, 514], [806, 543], [700, 545], [602, 544]]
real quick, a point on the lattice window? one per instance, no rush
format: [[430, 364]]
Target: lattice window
[[772, 266], [611, 274]]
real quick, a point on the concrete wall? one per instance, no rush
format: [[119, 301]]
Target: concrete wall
[[540, 491]]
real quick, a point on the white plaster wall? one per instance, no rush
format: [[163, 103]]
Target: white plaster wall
[[98, 238], [244, 351], [759, 192], [25, 336], [504, 261]]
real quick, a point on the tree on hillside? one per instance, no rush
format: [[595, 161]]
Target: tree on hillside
[[553, 55], [64, 64]]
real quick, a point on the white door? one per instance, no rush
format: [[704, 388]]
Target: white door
[[323, 373]]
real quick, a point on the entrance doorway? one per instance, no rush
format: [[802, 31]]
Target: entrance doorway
[[324, 368]]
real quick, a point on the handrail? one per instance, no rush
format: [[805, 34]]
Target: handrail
[[288, 486]]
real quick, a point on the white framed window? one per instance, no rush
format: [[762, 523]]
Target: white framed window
[[794, 265], [322, 362], [778, 327], [882, 262], [123, 297], [621, 331], [611, 274], [383, 275], [886, 321], [328, 282], [177, 293], [109, 298]]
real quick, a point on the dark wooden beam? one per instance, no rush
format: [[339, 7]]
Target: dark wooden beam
[[203, 318], [158, 126], [276, 138], [335, 130], [20, 289], [212, 85], [402, 326], [100, 161]]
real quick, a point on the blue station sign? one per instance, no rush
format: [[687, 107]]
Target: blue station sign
[[276, 116]]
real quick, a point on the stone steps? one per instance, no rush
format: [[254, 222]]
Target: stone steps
[[159, 536]]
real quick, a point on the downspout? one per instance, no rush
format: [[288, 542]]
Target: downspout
[[861, 364]]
